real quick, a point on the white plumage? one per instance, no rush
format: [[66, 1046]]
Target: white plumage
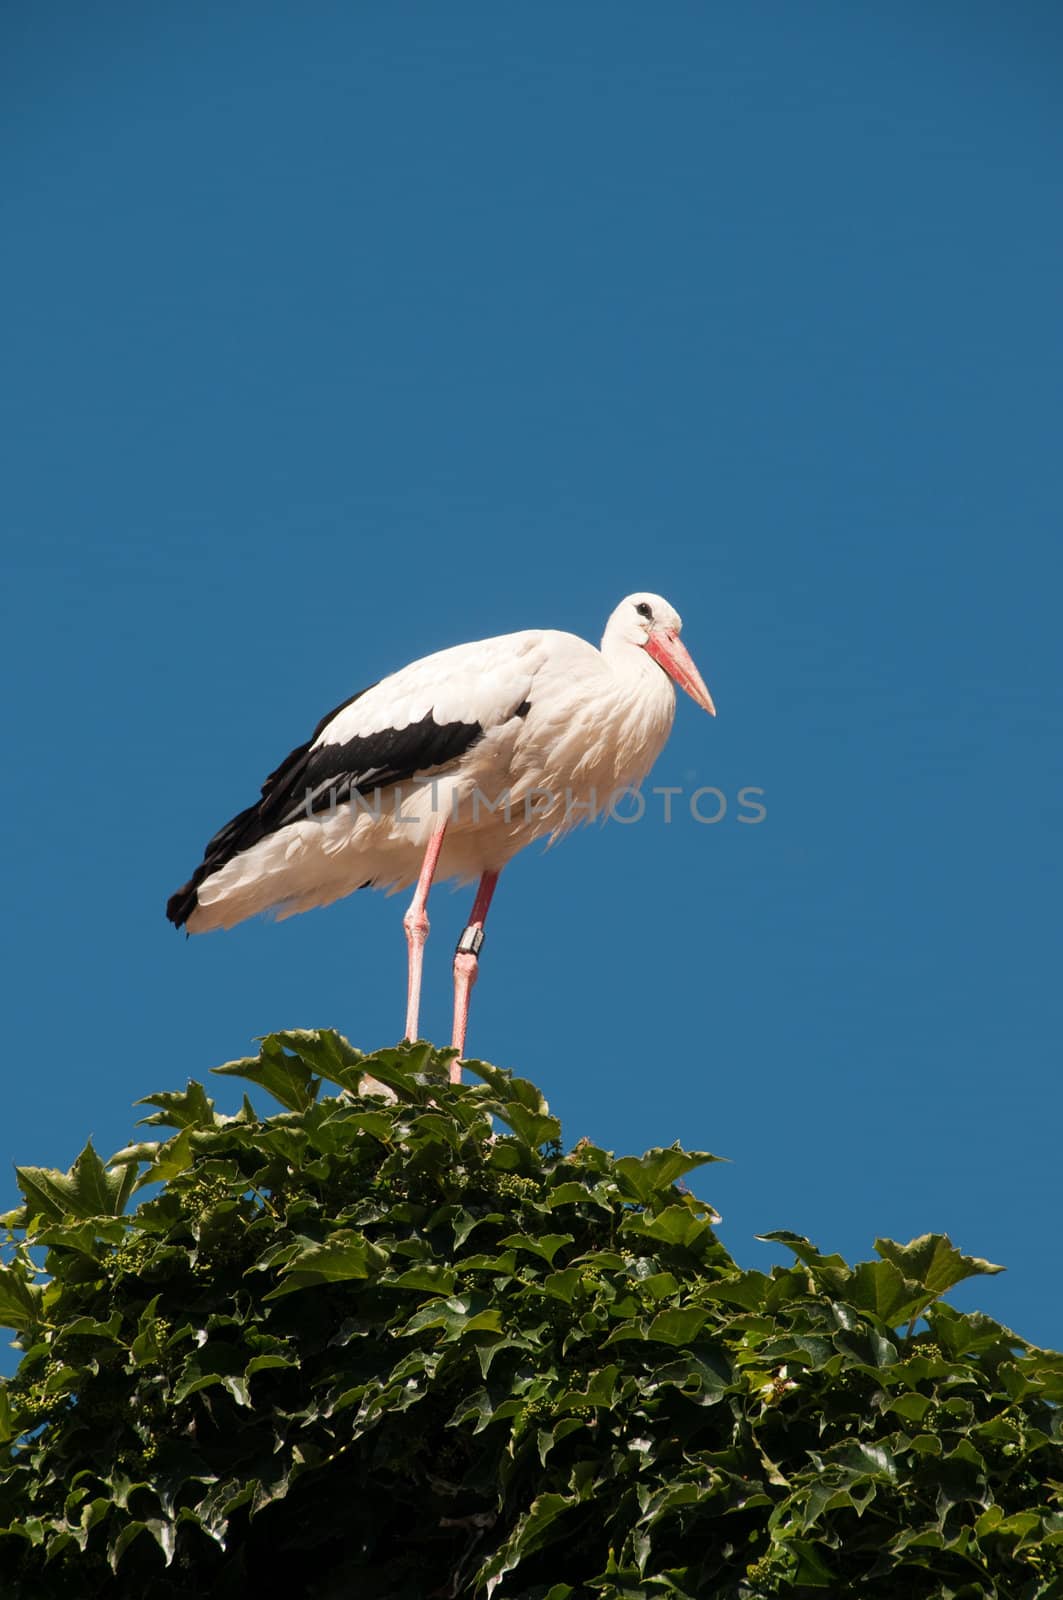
[[470, 753]]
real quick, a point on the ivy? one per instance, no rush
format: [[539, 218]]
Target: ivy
[[392, 1340]]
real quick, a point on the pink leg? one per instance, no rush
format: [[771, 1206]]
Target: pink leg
[[466, 962], [416, 924]]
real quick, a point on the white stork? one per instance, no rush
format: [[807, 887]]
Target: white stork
[[446, 769]]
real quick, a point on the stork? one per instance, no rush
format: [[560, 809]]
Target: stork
[[445, 769]]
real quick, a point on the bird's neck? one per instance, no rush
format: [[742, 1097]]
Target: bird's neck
[[633, 666], [643, 702]]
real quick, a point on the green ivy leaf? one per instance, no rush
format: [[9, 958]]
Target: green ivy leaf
[[191, 1109], [878, 1287], [652, 1175], [748, 1289], [8, 1425], [703, 1376], [281, 1074], [530, 1126], [325, 1053], [831, 1271], [89, 1189], [1017, 1528], [344, 1257], [428, 1275], [456, 1315], [854, 1461], [21, 1302], [564, 1285], [403, 1070], [812, 1571], [531, 1533], [546, 1245], [676, 1225], [678, 1325], [169, 1160], [573, 1193], [933, 1262], [377, 1123]]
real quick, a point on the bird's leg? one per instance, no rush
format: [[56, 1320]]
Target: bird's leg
[[416, 924], [466, 962]]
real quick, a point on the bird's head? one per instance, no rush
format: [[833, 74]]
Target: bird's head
[[651, 624]]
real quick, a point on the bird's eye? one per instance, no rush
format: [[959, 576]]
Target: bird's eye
[[644, 611]]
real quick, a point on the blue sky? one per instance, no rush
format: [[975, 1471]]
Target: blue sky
[[340, 333]]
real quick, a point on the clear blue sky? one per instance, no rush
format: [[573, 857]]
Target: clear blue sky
[[339, 333]]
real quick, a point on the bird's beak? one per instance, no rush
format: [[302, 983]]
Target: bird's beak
[[666, 649]]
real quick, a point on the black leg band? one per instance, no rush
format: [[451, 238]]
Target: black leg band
[[471, 942]]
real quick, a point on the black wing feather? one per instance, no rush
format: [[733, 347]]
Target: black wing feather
[[313, 780]]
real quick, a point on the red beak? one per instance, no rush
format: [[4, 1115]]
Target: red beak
[[674, 657]]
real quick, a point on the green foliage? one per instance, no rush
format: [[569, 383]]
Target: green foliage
[[364, 1347]]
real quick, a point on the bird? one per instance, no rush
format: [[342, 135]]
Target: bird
[[444, 770]]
